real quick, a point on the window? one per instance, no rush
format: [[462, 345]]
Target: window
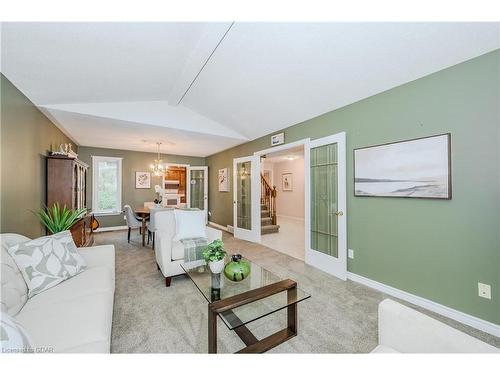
[[106, 185]]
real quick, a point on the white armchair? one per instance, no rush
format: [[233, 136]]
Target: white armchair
[[169, 253]]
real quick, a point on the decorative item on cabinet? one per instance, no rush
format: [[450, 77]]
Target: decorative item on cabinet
[[67, 185]]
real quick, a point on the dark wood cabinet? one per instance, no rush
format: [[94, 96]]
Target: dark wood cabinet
[[66, 185]]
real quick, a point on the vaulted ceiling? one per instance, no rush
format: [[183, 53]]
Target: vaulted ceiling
[[200, 88]]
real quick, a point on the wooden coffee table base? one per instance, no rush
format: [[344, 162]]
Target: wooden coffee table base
[[253, 345]]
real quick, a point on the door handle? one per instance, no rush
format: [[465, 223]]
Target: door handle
[[338, 213]]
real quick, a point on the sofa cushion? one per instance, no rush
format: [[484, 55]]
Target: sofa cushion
[[13, 336], [14, 292], [47, 261], [97, 256], [81, 324], [92, 281], [189, 224]]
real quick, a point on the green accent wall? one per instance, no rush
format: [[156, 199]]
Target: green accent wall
[[436, 249], [132, 162], [26, 138]]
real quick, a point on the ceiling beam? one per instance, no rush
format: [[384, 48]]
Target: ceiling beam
[[212, 37]]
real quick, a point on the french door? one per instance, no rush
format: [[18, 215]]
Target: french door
[[326, 239], [246, 198], [197, 182]]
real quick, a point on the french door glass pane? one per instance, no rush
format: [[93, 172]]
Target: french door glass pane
[[324, 198], [243, 195], [198, 189]]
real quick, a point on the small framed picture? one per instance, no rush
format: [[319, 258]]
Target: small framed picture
[[277, 139], [286, 182], [224, 179], [142, 180]]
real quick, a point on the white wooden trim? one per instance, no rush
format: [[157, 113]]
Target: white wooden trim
[[188, 184], [334, 266], [282, 147], [205, 186], [110, 229], [472, 321], [254, 234], [291, 217], [221, 227], [94, 190]]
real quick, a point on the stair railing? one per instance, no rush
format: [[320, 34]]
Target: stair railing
[[268, 198]]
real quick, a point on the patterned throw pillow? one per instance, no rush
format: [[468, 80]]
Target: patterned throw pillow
[[13, 337], [46, 261]]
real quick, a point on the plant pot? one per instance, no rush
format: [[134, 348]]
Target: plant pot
[[216, 267]]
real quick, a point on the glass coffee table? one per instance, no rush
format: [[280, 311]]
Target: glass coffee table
[[238, 303]]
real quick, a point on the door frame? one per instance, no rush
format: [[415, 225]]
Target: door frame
[[302, 142], [313, 257], [205, 185], [334, 266], [188, 185], [253, 234]]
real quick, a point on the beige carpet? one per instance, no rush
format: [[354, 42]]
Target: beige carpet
[[340, 317]]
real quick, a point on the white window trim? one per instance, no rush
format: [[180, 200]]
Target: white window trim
[[95, 160]]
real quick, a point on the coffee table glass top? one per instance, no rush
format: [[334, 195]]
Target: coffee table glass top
[[217, 287]]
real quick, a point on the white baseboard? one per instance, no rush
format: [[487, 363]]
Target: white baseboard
[[290, 217], [480, 324], [109, 229], [221, 227]]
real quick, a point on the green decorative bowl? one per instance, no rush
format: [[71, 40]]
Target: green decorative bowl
[[238, 269]]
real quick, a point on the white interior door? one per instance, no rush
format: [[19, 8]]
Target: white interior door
[[326, 235], [246, 197], [198, 188]]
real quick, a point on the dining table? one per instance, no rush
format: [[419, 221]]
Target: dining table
[[143, 213]]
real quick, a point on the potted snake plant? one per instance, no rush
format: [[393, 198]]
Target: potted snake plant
[[214, 255], [57, 219]]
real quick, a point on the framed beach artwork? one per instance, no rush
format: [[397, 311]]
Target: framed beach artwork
[[224, 179], [142, 180], [417, 168], [287, 182]]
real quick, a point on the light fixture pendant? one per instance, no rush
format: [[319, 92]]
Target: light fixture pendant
[[158, 168]]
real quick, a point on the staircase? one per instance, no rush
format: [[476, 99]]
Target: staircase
[[268, 221]]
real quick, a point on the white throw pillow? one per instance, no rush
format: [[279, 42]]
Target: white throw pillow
[[47, 261], [189, 224], [13, 336]]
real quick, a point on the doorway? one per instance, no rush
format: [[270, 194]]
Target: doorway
[[283, 221], [325, 224]]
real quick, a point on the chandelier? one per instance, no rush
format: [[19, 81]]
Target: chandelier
[[158, 168]]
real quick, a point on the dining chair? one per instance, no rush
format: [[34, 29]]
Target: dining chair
[[152, 223], [132, 221]]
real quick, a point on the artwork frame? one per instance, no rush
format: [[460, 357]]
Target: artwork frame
[[277, 139], [411, 159], [287, 182], [143, 180], [223, 180]]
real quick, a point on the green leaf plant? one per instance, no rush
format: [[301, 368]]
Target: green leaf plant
[[214, 251], [57, 219]]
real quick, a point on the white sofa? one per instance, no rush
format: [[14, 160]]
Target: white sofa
[[405, 330], [76, 315], [169, 253]]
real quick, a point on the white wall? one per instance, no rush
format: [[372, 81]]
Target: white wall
[[290, 203]]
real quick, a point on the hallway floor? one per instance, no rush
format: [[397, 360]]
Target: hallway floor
[[290, 238]]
